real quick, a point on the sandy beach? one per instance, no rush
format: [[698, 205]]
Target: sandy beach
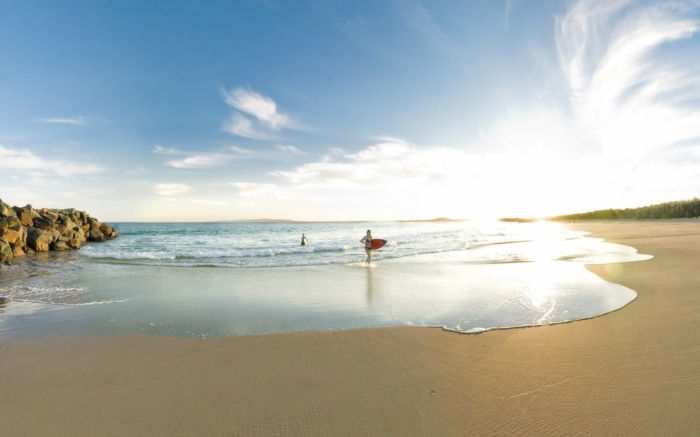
[[632, 372]]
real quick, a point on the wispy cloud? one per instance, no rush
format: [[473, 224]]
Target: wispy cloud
[[396, 161], [171, 189], [200, 159], [289, 149], [241, 126], [259, 106], [25, 160], [630, 97], [78, 121], [167, 151], [507, 11], [266, 116], [633, 106]]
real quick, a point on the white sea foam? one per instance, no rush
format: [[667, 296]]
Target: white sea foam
[[277, 245]]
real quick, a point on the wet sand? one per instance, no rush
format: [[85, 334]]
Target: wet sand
[[632, 372]]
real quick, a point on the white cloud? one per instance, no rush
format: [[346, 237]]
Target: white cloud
[[241, 126], [79, 121], [25, 160], [201, 159], [397, 162], [624, 93], [167, 151], [267, 119], [166, 189], [263, 108], [289, 149]]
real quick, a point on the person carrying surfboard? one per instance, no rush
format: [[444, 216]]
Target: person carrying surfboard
[[304, 240], [367, 239]]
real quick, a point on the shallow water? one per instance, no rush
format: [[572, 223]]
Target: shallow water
[[222, 279]]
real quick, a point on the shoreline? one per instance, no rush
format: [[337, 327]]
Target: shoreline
[[622, 372]]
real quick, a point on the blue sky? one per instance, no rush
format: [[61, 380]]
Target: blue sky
[[346, 109]]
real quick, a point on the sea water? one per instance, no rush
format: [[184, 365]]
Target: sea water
[[223, 279]]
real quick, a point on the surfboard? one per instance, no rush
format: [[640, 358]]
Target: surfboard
[[377, 243]]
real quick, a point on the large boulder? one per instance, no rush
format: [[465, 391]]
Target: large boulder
[[26, 215], [17, 251], [96, 236], [55, 235], [49, 214], [12, 236], [95, 225], [75, 241], [10, 222], [6, 254], [108, 231], [6, 210], [42, 223], [39, 240], [60, 245]]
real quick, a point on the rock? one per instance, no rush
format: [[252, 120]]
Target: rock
[[55, 235], [38, 240], [108, 231], [74, 243], [6, 210], [26, 230], [26, 215], [94, 225], [80, 235], [10, 222], [22, 237], [96, 236], [48, 214], [60, 245], [17, 251], [11, 236], [6, 254], [42, 223]]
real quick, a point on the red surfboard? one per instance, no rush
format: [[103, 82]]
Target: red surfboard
[[377, 243]]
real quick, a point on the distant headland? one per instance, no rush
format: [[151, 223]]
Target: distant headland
[[27, 230]]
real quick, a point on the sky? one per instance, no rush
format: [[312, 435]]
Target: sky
[[348, 110]]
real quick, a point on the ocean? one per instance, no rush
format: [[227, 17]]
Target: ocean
[[233, 278]]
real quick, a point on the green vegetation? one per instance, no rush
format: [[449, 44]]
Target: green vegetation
[[666, 210]]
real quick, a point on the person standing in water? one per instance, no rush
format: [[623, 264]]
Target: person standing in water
[[367, 239], [304, 240]]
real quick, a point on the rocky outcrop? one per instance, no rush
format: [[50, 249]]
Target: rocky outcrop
[[26, 230]]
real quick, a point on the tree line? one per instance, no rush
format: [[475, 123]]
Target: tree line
[[666, 210]]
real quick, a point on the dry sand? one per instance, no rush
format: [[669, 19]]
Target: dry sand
[[632, 372]]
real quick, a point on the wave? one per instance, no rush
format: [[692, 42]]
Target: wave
[[66, 304], [210, 254], [50, 295], [245, 245]]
